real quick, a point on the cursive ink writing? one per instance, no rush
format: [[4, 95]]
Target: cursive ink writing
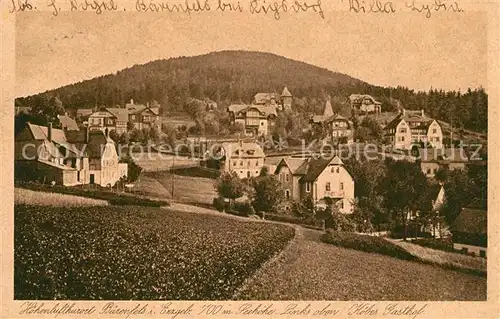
[[55, 8], [20, 5], [438, 5], [374, 6], [195, 6], [230, 6], [276, 7], [94, 5]]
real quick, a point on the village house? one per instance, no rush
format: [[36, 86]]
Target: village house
[[321, 178], [411, 128], [246, 159], [335, 128], [69, 158], [432, 160], [364, 103], [470, 232], [109, 119], [255, 119], [283, 102], [83, 114], [143, 116]]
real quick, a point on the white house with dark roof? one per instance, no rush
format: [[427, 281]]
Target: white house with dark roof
[[409, 128], [143, 116], [322, 179], [256, 119], [67, 158], [246, 159], [364, 103], [110, 119]]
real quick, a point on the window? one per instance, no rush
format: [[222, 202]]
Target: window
[[241, 163], [287, 194], [327, 186], [110, 122], [132, 117], [434, 131], [338, 169], [234, 163], [403, 130], [341, 204], [341, 186], [248, 174], [78, 176], [257, 163], [248, 163], [308, 187], [428, 171], [287, 177], [262, 123]]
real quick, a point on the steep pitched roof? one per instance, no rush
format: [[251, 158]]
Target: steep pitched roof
[[286, 93], [245, 150], [472, 221], [294, 164], [328, 111], [120, 114], [68, 123], [358, 98], [264, 109], [41, 133], [314, 168], [235, 108], [262, 98]]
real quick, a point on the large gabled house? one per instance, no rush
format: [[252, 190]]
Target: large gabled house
[[282, 102], [69, 158], [109, 119], [142, 116], [334, 127], [411, 128], [246, 159], [322, 179], [364, 103], [256, 119]]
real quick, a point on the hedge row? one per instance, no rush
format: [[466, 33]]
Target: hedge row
[[98, 193], [366, 243], [439, 244]]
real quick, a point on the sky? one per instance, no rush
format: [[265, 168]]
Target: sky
[[446, 51]]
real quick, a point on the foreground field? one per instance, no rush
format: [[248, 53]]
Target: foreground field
[[136, 253], [312, 270], [187, 189], [29, 197]]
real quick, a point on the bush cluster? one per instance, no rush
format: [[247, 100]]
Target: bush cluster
[[142, 253], [370, 244], [294, 220], [99, 193], [445, 244]]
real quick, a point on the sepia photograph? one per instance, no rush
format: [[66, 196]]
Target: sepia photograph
[[250, 151]]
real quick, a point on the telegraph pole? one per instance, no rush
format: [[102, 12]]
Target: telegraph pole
[[173, 175]]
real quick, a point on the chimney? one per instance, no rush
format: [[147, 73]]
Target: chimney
[[49, 132], [422, 111], [403, 111], [131, 101]]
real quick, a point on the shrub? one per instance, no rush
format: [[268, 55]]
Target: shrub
[[444, 244], [244, 209], [136, 201], [366, 243], [218, 203], [293, 220], [412, 230], [124, 253]]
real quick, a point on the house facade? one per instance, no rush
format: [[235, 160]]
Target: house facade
[[283, 102], [364, 103], [335, 128], [69, 158], [246, 159], [321, 179], [432, 160], [256, 119], [411, 128], [109, 119], [470, 232], [143, 116]]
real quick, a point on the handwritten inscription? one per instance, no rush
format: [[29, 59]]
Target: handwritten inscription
[[171, 310], [272, 8], [437, 5]]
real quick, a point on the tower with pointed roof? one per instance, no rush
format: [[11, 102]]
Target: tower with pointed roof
[[328, 111], [286, 99]]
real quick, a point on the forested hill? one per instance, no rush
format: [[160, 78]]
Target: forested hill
[[235, 76]]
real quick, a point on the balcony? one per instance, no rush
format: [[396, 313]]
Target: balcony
[[334, 194]]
